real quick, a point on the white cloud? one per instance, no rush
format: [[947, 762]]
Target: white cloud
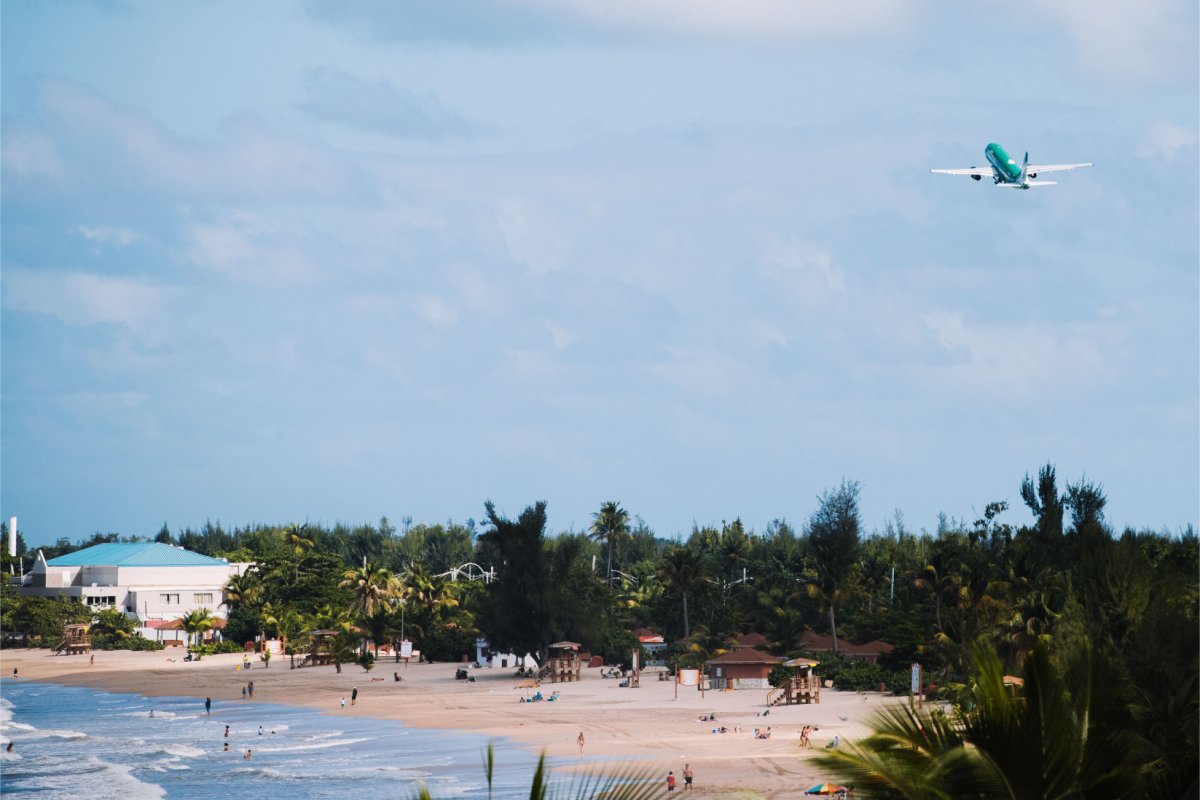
[[805, 271], [334, 95], [1125, 43], [706, 371], [1021, 360], [82, 298], [29, 155], [786, 20], [1164, 141], [535, 236], [560, 336], [434, 310], [248, 159], [252, 249], [106, 234]]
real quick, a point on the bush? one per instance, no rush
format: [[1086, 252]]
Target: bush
[[135, 642], [444, 643], [213, 648], [779, 675], [852, 674], [366, 661]]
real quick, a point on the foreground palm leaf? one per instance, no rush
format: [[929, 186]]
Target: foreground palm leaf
[[1049, 740], [625, 783]]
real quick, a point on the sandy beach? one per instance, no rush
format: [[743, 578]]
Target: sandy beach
[[645, 725]]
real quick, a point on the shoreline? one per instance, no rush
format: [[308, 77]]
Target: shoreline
[[644, 728]]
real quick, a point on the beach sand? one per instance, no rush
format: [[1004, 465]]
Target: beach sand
[[645, 726]]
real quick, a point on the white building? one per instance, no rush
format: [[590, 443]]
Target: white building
[[153, 581]]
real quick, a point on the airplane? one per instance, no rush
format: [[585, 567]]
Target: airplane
[[1005, 171]]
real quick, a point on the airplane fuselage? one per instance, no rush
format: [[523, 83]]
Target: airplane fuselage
[[1005, 167]]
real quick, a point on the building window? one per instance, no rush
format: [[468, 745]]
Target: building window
[[169, 599], [101, 602], [204, 598]]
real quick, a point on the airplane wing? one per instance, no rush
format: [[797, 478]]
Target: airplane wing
[[985, 172], [1055, 167]]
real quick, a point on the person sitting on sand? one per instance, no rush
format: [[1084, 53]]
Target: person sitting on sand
[[396, 677]]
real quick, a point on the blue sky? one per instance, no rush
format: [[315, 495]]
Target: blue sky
[[331, 261]]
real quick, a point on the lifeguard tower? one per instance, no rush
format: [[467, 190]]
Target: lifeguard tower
[[563, 663], [320, 653], [802, 687], [77, 639]]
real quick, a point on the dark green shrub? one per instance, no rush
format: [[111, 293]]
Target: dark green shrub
[[135, 642]]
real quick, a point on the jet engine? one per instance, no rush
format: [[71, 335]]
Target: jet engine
[[1032, 175], [977, 177]]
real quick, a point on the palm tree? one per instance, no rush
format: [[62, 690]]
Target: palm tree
[[683, 572], [241, 589], [373, 590], [196, 622], [1048, 738], [298, 539], [610, 524]]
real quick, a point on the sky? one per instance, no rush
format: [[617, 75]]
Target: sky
[[288, 261]]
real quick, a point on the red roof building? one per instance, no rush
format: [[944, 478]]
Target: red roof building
[[744, 668]]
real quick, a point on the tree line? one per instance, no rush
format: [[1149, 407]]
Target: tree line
[[1030, 593]]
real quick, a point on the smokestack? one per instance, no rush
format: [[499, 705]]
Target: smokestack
[[12, 536]]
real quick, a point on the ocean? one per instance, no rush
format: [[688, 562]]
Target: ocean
[[75, 742]]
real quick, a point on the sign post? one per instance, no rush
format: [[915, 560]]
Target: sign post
[[406, 651], [915, 688]]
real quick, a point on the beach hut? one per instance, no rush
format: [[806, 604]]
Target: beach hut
[[803, 686], [563, 663], [745, 668]]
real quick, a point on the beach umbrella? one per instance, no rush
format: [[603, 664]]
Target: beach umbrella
[[825, 788]]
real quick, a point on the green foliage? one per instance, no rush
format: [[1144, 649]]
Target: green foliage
[[101, 641], [214, 648], [112, 622], [366, 660], [444, 643], [779, 675], [515, 616], [630, 783], [1053, 738], [41, 621]]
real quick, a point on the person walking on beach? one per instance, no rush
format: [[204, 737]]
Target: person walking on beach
[[343, 702], [15, 676], [92, 660], [580, 741], [687, 777], [243, 692], [250, 687], [670, 784], [208, 706], [354, 696]]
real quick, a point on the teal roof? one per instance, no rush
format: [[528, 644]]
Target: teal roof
[[139, 554]]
